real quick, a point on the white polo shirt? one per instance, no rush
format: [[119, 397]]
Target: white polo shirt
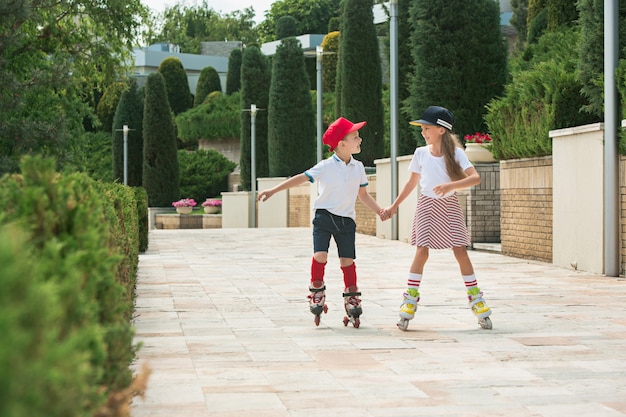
[[339, 185], [432, 169]]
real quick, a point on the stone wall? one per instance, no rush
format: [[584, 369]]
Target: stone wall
[[622, 191], [299, 210], [526, 208], [483, 205]]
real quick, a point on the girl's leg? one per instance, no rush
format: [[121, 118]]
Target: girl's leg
[[475, 296]]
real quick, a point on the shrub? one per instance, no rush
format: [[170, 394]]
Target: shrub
[[217, 118], [203, 174], [75, 248], [208, 82]]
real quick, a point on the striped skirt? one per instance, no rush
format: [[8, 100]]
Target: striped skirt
[[439, 223]]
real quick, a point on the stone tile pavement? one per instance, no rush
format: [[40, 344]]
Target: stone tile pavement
[[223, 319]]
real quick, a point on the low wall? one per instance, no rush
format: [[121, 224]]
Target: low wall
[[526, 208], [188, 221], [622, 192], [482, 207]]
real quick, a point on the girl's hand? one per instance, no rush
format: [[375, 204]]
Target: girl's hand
[[443, 189]]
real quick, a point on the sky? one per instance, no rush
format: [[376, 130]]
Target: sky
[[220, 6]]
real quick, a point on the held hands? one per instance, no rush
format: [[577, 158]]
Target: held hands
[[387, 213]]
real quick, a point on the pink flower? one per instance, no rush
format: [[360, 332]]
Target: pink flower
[[478, 137], [185, 202], [212, 202]]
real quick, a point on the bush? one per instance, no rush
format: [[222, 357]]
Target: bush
[[217, 118], [203, 174], [74, 250], [543, 95]]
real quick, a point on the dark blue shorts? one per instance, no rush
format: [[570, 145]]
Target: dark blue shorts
[[342, 229]]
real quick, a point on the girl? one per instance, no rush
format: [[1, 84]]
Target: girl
[[441, 167]]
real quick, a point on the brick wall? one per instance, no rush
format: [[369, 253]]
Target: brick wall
[[299, 209], [526, 208], [622, 191], [483, 205]]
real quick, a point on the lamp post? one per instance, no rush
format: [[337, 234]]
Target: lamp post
[[319, 52], [125, 130], [253, 111], [393, 107]]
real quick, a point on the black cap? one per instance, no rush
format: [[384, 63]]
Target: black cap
[[437, 116]]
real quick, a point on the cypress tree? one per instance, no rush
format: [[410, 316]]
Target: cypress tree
[[406, 139], [330, 45], [129, 112], [255, 85], [291, 127], [460, 59], [161, 175], [233, 77], [177, 85], [208, 82], [360, 79]]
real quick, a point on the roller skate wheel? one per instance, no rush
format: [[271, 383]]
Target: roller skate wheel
[[356, 323], [346, 320], [485, 323], [317, 320], [403, 324], [325, 308]]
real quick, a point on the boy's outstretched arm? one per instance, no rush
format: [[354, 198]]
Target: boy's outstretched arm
[[367, 199], [288, 183]]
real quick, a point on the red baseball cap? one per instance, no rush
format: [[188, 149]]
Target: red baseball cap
[[338, 130]]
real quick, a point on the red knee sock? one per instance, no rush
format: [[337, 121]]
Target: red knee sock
[[349, 275], [317, 270]]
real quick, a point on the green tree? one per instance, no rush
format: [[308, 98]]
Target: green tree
[[255, 86], [360, 90], [286, 27], [233, 77], [591, 64], [311, 16], [160, 163], [518, 21], [189, 26], [129, 112], [460, 59], [291, 126], [208, 82], [53, 57], [203, 173], [215, 119], [177, 84], [330, 46]]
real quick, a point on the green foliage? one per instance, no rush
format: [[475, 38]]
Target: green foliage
[[286, 27], [537, 26], [216, 118], [591, 63], [542, 96], [560, 13], [518, 21], [311, 16], [330, 46], [360, 91], [105, 110], [67, 291], [93, 155], [130, 113], [141, 199], [177, 85], [291, 127], [233, 77], [255, 86], [188, 26], [203, 174], [208, 82], [469, 66], [51, 63], [160, 163]]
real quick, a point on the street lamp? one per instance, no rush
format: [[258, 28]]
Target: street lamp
[[393, 107], [125, 130], [319, 51], [253, 111]]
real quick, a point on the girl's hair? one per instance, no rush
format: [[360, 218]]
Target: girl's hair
[[449, 141]]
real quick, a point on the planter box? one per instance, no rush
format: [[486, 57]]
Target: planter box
[[186, 221]]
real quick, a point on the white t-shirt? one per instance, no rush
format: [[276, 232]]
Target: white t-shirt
[[432, 169], [339, 185]]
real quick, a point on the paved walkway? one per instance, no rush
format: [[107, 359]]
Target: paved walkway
[[224, 322]]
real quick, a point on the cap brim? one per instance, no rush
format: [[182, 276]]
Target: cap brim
[[356, 127], [419, 122]]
